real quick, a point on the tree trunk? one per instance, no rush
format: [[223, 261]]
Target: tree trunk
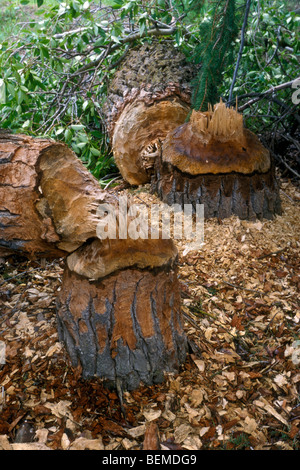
[[119, 306], [250, 197], [125, 327], [212, 160], [148, 97]]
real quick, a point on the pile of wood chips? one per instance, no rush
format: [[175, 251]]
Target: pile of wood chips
[[240, 385]]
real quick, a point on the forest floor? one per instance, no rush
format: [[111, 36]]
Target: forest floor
[[240, 385]]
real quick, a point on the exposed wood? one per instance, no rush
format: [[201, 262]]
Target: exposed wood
[[23, 228], [148, 97], [72, 196], [213, 160], [215, 142], [101, 258]]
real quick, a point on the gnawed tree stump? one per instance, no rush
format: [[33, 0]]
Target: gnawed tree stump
[[118, 309], [124, 325], [148, 97], [213, 160]]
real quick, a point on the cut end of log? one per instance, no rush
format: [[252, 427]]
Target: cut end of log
[[138, 133], [215, 142]]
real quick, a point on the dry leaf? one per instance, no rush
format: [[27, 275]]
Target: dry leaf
[[181, 433], [60, 409]]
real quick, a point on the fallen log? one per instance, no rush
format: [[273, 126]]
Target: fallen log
[[23, 229], [149, 96], [118, 310], [215, 161]]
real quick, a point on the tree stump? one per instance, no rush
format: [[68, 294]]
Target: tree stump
[[124, 326], [24, 229], [148, 97], [213, 160], [118, 309]]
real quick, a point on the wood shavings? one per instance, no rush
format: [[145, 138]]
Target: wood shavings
[[239, 388]]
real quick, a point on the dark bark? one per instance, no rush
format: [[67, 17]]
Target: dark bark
[[248, 196], [124, 328]]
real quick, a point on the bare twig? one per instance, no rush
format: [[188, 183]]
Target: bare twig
[[248, 3], [271, 90]]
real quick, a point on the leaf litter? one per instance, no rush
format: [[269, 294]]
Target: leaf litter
[[239, 387]]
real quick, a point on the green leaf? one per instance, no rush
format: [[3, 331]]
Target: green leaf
[[116, 39], [95, 152], [81, 145], [2, 91], [39, 3], [77, 127], [68, 135]]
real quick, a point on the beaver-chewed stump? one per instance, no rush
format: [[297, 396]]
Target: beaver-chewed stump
[[213, 160], [118, 309], [124, 324], [149, 95]]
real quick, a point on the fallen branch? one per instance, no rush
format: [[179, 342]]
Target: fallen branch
[[156, 32], [271, 90]]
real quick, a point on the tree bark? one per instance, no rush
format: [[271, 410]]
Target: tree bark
[[148, 97], [118, 309], [249, 197]]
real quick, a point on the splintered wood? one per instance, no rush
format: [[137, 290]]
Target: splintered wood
[[219, 122]]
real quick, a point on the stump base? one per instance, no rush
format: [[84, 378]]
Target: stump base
[[125, 327]]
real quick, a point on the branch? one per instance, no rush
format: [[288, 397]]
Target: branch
[[271, 90], [130, 38], [241, 48]]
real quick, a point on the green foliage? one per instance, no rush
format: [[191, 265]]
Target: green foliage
[[57, 57], [270, 57], [217, 31], [54, 74]]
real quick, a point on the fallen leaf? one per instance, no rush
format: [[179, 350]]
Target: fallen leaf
[[151, 415]]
